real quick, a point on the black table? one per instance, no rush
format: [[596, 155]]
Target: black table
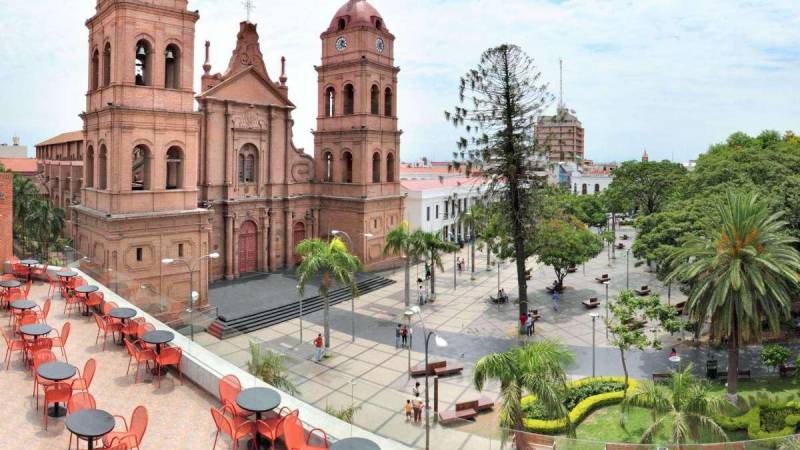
[[258, 400], [354, 443], [23, 304], [158, 338], [35, 330], [67, 274], [123, 314], [10, 284], [90, 424], [56, 371], [30, 263], [85, 290]]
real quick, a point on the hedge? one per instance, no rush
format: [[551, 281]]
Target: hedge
[[581, 410], [751, 421]]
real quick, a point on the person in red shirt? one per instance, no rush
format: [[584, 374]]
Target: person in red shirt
[[522, 319], [318, 348]]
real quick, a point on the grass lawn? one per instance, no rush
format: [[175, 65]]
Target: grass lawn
[[603, 424]]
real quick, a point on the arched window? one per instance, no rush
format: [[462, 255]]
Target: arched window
[[378, 24], [172, 67], [143, 59], [330, 102], [102, 168], [342, 24], [140, 168], [174, 168], [387, 103], [328, 158], [374, 96], [376, 167], [107, 64], [347, 175], [95, 70], [596, 188], [248, 156], [390, 167], [88, 176], [349, 99], [583, 189]]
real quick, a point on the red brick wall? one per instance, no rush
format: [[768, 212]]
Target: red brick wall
[[6, 214]]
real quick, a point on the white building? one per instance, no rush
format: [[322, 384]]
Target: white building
[[435, 205], [14, 150], [592, 179]]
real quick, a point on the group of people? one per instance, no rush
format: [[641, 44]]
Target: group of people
[[527, 323], [402, 336], [414, 406], [460, 264]]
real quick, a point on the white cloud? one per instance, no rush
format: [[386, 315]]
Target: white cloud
[[669, 75]]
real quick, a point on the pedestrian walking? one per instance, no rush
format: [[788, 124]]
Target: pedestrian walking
[[427, 271], [415, 391], [318, 348], [529, 325], [404, 336], [409, 409], [417, 409], [421, 294], [397, 333], [555, 298]]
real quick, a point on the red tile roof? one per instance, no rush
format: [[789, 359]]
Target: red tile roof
[[71, 136], [442, 183], [20, 165]]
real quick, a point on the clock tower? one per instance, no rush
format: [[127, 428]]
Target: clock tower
[[357, 143]]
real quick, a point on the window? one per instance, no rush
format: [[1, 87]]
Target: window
[[139, 254], [180, 250], [89, 172], [347, 175], [596, 188], [437, 212], [247, 163], [376, 167], [378, 24], [583, 189], [107, 64], [95, 71], [142, 68], [428, 213], [140, 168], [102, 169], [330, 102], [349, 99], [374, 96], [172, 66], [387, 103], [446, 208], [174, 168], [328, 158], [342, 24], [390, 168]]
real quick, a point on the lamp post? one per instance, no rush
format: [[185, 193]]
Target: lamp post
[[440, 342], [627, 269], [606, 284], [455, 263], [594, 320], [191, 267], [301, 315], [353, 298]]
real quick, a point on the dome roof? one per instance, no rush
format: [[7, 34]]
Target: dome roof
[[357, 13]]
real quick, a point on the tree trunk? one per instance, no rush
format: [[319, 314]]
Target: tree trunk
[[326, 312], [433, 277], [488, 258], [733, 361], [560, 275], [625, 385], [472, 259], [407, 291]]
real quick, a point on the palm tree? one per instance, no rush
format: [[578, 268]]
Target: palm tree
[[535, 368], [683, 402], [335, 263], [399, 242], [740, 272], [472, 222], [24, 192], [271, 368], [45, 222], [432, 245]]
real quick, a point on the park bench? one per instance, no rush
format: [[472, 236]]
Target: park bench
[[625, 237], [550, 289], [572, 269], [439, 368], [591, 303], [629, 447], [681, 307], [603, 278], [661, 377], [497, 300], [743, 374], [645, 290], [447, 370], [466, 410], [787, 370], [531, 441], [620, 246]]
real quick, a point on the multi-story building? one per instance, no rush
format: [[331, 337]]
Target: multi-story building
[[60, 172], [561, 136], [14, 150], [435, 205]]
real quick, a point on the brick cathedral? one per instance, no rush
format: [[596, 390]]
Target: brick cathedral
[[164, 179]]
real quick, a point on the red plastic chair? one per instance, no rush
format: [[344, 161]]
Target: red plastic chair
[[61, 339], [70, 302], [7, 277], [272, 427], [94, 300], [131, 329], [85, 378], [105, 327], [295, 437], [144, 329], [116, 445], [41, 316], [229, 387], [78, 402], [20, 270], [39, 271], [25, 319], [132, 436], [26, 288], [140, 356], [54, 285], [55, 393], [12, 345], [169, 356], [230, 427], [39, 358], [32, 346]]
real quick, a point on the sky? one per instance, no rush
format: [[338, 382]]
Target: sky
[[668, 76]]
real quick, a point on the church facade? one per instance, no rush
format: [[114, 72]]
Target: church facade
[[163, 179]]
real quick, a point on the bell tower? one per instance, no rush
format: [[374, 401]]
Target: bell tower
[[139, 199], [357, 143]]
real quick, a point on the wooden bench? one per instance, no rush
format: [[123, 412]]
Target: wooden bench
[[531, 441], [743, 374], [625, 237], [787, 370], [464, 411], [572, 269], [620, 246], [485, 404], [644, 290], [661, 377], [603, 279], [550, 289], [419, 369], [591, 303], [447, 370]]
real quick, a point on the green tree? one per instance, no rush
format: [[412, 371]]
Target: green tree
[[775, 355], [683, 404], [334, 263], [629, 315], [24, 192], [535, 368], [433, 246], [740, 272], [44, 223], [649, 184], [565, 243], [399, 242], [499, 103], [271, 368]]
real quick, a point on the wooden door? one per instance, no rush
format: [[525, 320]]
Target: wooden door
[[248, 248], [298, 235]]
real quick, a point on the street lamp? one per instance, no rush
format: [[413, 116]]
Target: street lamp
[[606, 284], [594, 320], [627, 269], [301, 315], [191, 267], [353, 298]]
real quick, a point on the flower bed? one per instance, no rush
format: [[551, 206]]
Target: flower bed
[[583, 404], [765, 420]]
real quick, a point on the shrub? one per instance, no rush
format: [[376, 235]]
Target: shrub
[[765, 419], [774, 355]]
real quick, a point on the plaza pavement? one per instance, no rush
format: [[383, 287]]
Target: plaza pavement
[[371, 373]]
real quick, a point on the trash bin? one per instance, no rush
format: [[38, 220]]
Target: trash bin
[[711, 369]]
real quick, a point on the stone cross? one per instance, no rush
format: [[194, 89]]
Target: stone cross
[[249, 7]]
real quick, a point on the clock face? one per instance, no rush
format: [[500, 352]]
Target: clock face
[[341, 44], [379, 45]]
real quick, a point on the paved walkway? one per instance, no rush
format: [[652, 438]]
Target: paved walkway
[[472, 326]]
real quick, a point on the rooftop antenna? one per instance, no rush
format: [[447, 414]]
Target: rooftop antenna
[[249, 7], [560, 83]]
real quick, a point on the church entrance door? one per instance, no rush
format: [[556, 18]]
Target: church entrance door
[[248, 248], [298, 234]]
